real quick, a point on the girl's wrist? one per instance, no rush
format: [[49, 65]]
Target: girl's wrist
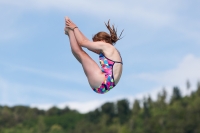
[[74, 28]]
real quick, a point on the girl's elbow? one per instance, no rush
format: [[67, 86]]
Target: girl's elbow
[[82, 44]]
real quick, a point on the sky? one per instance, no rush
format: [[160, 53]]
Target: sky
[[160, 49]]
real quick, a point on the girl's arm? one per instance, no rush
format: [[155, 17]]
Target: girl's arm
[[82, 40]]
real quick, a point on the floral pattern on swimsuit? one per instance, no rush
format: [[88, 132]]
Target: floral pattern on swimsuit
[[107, 68]]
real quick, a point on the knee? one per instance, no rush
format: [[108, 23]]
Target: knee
[[76, 51]]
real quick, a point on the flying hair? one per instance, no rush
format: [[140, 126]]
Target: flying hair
[[113, 33], [111, 38]]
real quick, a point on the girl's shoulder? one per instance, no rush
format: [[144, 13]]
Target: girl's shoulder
[[112, 53], [109, 50]]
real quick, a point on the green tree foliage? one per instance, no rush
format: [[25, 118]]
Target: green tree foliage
[[136, 108], [108, 109], [93, 116], [123, 110], [176, 94], [198, 89], [179, 115]]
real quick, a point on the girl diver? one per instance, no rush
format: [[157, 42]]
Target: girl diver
[[101, 79]]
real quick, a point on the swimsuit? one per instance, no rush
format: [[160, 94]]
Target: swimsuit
[[107, 68]]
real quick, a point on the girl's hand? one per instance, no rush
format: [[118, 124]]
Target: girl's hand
[[70, 24]]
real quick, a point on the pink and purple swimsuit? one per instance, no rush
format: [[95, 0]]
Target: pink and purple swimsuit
[[107, 68]]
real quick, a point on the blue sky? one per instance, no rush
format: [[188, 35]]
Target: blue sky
[[160, 49]]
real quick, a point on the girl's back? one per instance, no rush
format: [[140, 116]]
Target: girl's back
[[112, 54]]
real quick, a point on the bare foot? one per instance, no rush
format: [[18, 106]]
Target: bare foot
[[66, 18], [66, 29]]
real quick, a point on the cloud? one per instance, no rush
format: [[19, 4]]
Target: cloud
[[21, 94], [86, 106], [15, 93], [70, 76], [155, 12], [82, 107], [152, 14], [188, 68]]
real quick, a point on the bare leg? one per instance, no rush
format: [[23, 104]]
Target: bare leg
[[90, 67]]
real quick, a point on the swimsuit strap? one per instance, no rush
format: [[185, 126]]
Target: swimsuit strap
[[113, 60]]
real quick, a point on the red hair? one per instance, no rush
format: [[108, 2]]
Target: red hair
[[111, 38]]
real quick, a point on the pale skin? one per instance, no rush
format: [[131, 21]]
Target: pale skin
[[92, 71]]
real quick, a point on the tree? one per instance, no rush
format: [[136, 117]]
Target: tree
[[123, 110], [198, 88], [188, 85], [93, 116], [109, 110], [176, 94], [146, 108], [136, 107], [161, 100], [54, 111]]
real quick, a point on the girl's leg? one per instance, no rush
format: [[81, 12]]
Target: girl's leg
[[92, 71]]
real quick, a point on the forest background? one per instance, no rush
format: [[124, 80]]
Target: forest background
[[179, 115]]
